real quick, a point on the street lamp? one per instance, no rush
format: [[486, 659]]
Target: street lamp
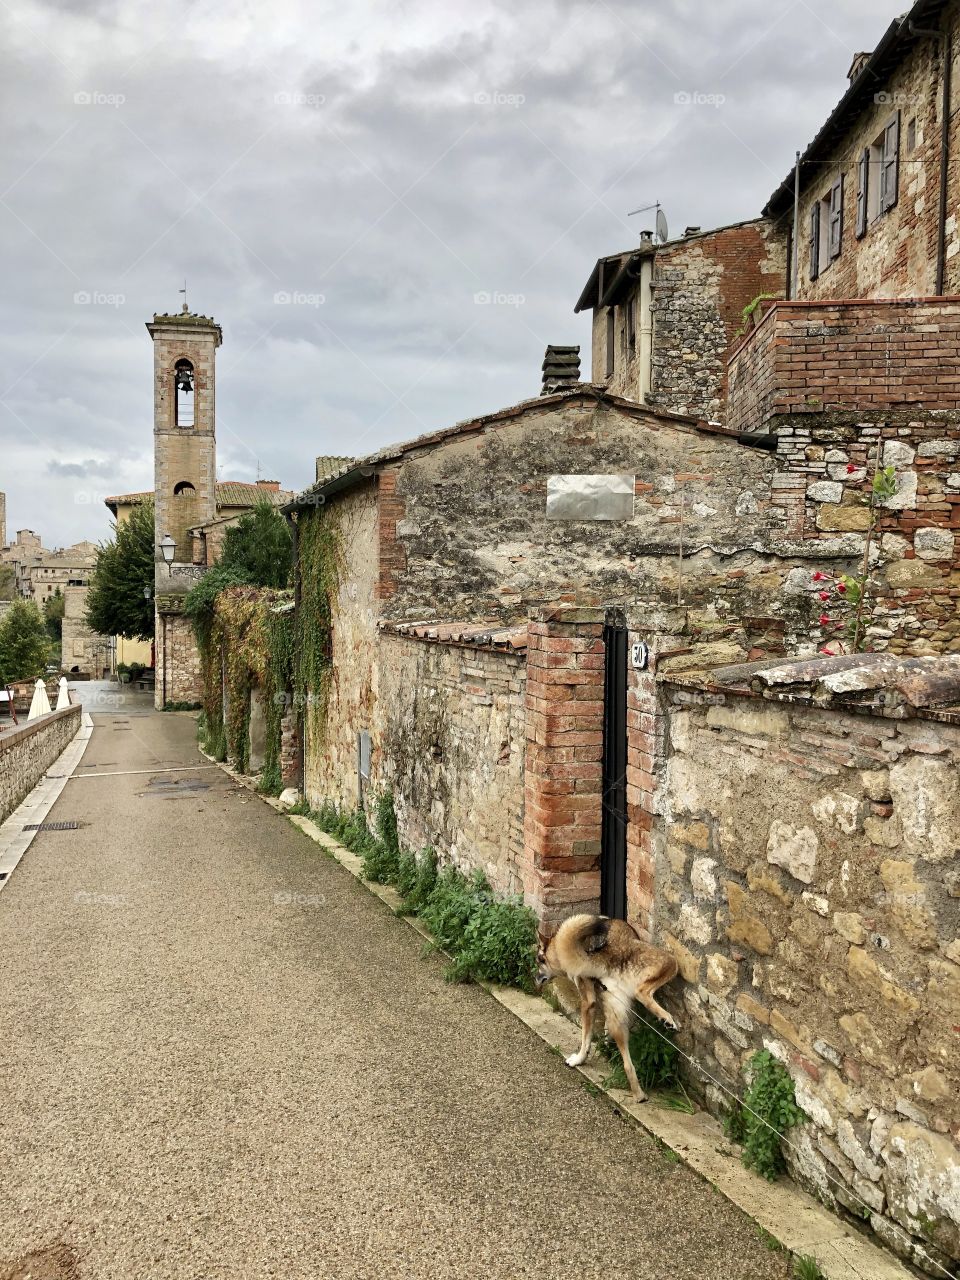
[[167, 548]]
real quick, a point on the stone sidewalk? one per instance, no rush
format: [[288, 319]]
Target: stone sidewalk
[[221, 1057]]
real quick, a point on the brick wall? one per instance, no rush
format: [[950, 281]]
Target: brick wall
[[808, 880], [27, 752], [448, 739], [897, 256], [564, 750], [866, 356]]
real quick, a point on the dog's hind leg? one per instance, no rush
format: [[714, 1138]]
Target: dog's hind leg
[[649, 984], [618, 1024], [588, 1005]]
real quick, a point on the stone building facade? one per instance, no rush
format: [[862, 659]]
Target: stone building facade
[[82, 651], [874, 220], [666, 315], [40, 572]]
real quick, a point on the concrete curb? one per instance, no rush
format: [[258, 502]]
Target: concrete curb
[[14, 841], [798, 1222]]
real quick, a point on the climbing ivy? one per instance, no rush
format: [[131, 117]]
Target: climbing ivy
[[245, 638], [319, 564]]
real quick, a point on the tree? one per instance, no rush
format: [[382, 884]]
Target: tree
[[8, 582], [119, 601], [53, 615], [24, 643], [259, 545]]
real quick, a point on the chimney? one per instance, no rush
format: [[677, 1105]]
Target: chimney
[[272, 485], [646, 237], [860, 60], [691, 231], [561, 369]]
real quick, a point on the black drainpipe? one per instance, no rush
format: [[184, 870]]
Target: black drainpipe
[[946, 60]]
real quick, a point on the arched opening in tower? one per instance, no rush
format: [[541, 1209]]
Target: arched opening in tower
[[183, 394]]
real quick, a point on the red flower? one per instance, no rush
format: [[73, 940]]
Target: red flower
[[842, 587], [851, 467], [824, 595], [824, 619], [818, 576], [829, 652]]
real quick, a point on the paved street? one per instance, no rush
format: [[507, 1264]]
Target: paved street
[[205, 1074]]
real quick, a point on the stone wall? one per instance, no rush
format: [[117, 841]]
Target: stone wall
[[808, 880], [178, 661], [345, 707], [27, 752], [869, 356], [916, 561], [448, 738], [701, 286]]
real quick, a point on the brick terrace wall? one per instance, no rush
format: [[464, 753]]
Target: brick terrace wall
[[809, 883], [28, 751], [449, 741], [564, 749], [869, 355]]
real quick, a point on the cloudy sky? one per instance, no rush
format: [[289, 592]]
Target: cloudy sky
[[343, 186]]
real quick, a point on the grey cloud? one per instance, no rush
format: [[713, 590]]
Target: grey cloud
[[294, 197]]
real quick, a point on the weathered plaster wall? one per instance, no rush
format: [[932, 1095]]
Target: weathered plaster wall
[[338, 714], [28, 751], [449, 741], [477, 542], [808, 880]]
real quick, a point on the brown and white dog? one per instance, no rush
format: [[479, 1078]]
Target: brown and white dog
[[609, 963]]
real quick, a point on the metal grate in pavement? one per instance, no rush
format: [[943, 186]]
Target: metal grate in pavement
[[52, 826]]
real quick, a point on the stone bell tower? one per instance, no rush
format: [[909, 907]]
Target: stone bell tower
[[184, 486]]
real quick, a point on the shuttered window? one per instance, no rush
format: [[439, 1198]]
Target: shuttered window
[[890, 164], [863, 186], [836, 218], [815, 241], [611, 341]]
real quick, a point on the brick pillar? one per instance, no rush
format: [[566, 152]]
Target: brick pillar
[[393, 558], [562, 779]]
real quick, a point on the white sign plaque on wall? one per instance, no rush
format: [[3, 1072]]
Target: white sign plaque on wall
[[593, 497]]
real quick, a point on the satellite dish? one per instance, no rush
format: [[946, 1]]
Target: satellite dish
[[663, 231]]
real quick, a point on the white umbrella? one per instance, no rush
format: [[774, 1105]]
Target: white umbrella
[[63, 698], [40, 706]]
